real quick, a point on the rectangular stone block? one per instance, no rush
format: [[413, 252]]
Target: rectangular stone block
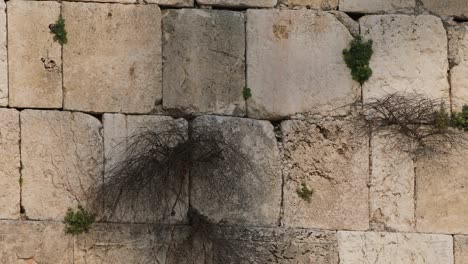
[[244, 184], [120, 131], [457, 8], [3, 56], [35, 59], [174, 3], [112, 62], [238, 3], [374, 6], [34, 242], [9, 164], [62, 156], [323, 157], [458, 56], [461, 249], [204, 61], [291, 66], [315, 4], [394, 248], [410, 55]]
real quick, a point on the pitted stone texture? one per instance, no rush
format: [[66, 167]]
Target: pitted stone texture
[[324, 156], [204, 69], [457, 8], [111, 65], [281, 46], [347, 21], [461, 249], [246, 194], [9, 164], [394, 248], [175, 3], [3, 56], [374, 6], [410, 55], [238, 3], [33, 242], [458, 55], [35, 59], [119, 131], [442, 193], [62, 155], [315, 4], [391, 186], [236, 245]]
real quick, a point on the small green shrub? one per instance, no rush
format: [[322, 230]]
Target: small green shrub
[[79, 221], [58, 29], [442, 119], [460, 119], [305, 193], [247, 93], [357, 58]]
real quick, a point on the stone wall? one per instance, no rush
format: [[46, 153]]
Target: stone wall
[[129, 64]]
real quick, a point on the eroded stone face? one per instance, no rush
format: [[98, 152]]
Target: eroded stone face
[[120, 131], [315, 4], [410, 55], [461, 249], [204, 61], [175, 3], [324, 156], [9, 164], [35, 59], [457, 8], [291, 66], [394, 248], [374, 6], [238, 3], [458, 54], [245, 186], [3, 57], [31, 242], [110, 65], [62, 156]]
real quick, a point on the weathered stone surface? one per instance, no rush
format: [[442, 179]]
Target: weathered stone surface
[[112, 62], [457, 8], [291, 66], [394, 248], [442, 193], [238, 3], [315, 4], [461, 249], [9, 164], [3, 56], [324, 156], [204, 61], [347, 21], [237, 245], [458, 55], [391, 187], [175, 3], [374, 6], [410, 55], [35, 60], [119, 132], [34, 242], [62, 154], [238, 193]]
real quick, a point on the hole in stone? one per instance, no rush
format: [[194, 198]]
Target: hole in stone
[[356, 16]]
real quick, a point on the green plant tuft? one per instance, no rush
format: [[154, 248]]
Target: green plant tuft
[[460, 119], [442, 119], [58, 29], [357, 58], [305, 193], [79, 221], [247, 93]]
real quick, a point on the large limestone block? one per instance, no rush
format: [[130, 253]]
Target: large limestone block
[[238, 3], [3, 57], [392, 186], [374, 6], [458, 55], [204, 61], [175, 3], [120, 131], [441, 193], [394, 248], [112, 62], [9, 164], [410, 55], [245, 186], [292, 67], [236, 245], [457, 8], [461, 249], [325, 157], [62, 155], [34, 242], [35, 59], [315, 4]]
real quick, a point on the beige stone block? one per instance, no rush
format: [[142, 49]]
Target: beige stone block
[[120, 131], [174, 3], [35, 59], [34, 242], [394, 248], [325, 157], [3, 56], [62, 155], [461, 249], [457, 8], [292, 67], [315, 4], [375, 6], [410, 55], [9, 164], [204, 61], [238, 3], [458, 54], [112, 62], [244, 186]]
